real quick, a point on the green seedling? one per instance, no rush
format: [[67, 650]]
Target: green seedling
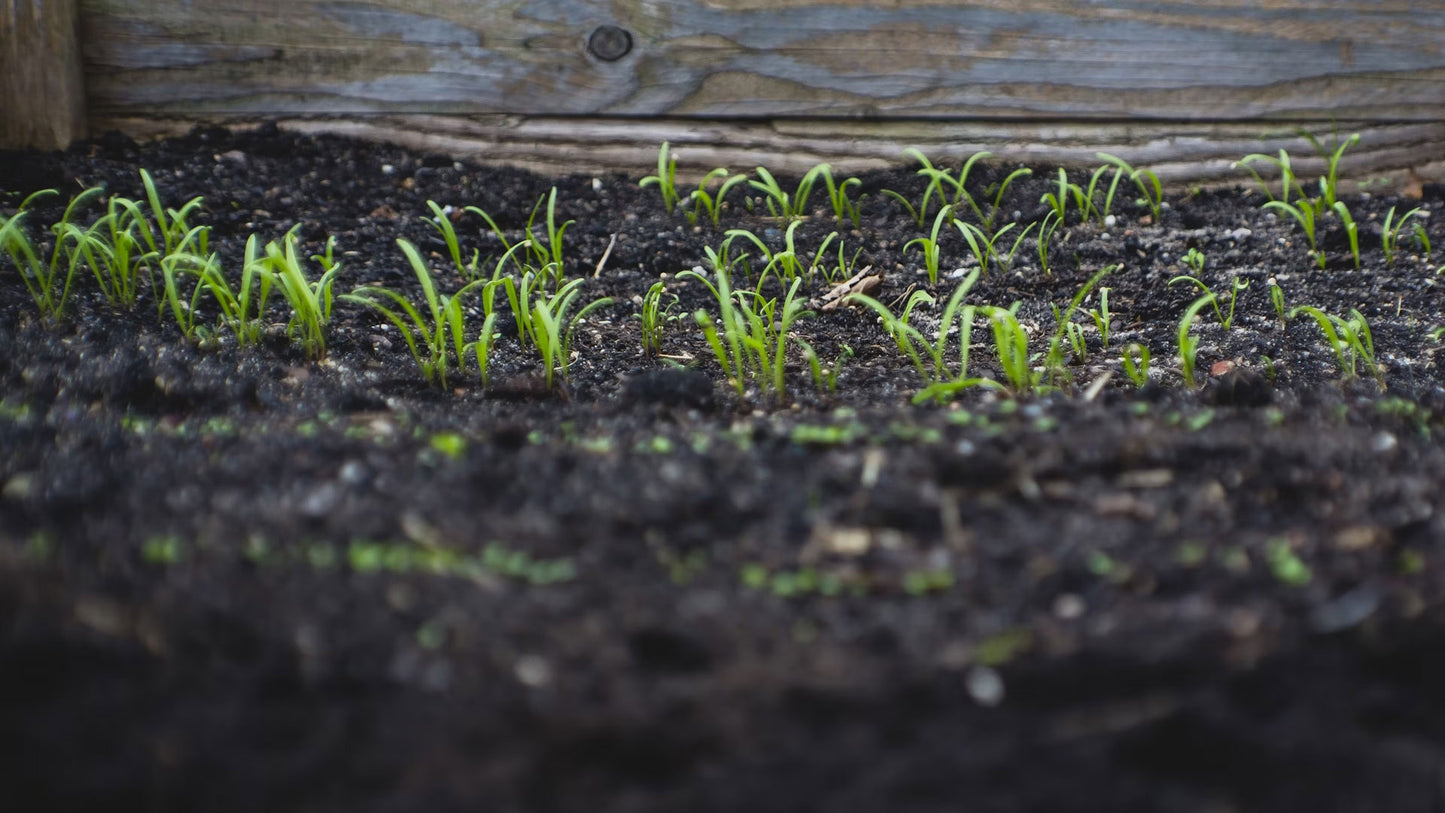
[[928, 246], [1189, 343], [941, 181], [437, 328], [442, 222], [1351, 230], [754, 337], [1236, 285], [1194, 259], [1047, 227], [1329, 182], [112, 250], [1304, 214], [1286, 565], [1011, 347], [998, 193], [844, 208], [844, 269], [1349, 339], [1054, 362], [920, 213], [654, 316], [243, 307], [1135, 361], [704, 202], [1391, 229], [825, 379], [1101, 317], [1058, 200], [47, 284], [983, 246], [929, 355], [1276, 300], [551, 328], [782, 205], [310, 301], [1150, 190], [176, 235], [546, 254], [665, 180], [788, 264], [1288, 183], [186, 309]]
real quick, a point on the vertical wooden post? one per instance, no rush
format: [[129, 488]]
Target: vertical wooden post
[[42, 93]]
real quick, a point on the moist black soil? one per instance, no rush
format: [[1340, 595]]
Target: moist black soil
[[232, 578]]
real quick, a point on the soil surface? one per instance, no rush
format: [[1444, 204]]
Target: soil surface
[[233, 578]]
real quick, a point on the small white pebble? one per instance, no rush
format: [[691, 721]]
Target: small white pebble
[[985, 686], [1384, 442], [533, 671], [387, 169], [1069, 606], [1110, 221]]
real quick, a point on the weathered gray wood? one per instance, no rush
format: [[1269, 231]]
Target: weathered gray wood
[[1200, 60], [41, 95], [1389, 156]]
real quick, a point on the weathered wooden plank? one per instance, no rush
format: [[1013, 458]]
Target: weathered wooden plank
[[1396, 155], [41, 96], [1110, 59]]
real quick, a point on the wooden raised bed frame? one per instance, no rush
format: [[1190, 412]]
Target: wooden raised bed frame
[[1183, 87]]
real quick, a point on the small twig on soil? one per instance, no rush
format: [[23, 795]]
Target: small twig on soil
[[608, 253]]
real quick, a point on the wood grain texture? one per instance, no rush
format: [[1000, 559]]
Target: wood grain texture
[[1389, 156], [1200, 60], [41, 93]]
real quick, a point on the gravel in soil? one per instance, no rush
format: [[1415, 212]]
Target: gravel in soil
[[236, 578]]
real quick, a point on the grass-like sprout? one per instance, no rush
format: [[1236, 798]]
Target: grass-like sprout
[[1352, 231], [442, 222], [1150, 190], [242, 307], [1304, 214], [754, 338], [665, 180], [708, 202], [1236, 285], [1135, 361], [984, 247], [653, 315], [844, 269], [1195, 259], [844, 207], [1349, 339], [1058, 200], [928, 246], [434, 331], [1288, 183], [996, 204], [113, 251], [1101, 317], [788, 264], [920, 213], [47, 283], [176, 235], [1054, 362], [928, 355], [1047, 227], [546, 252], [552, 328], [310, 302], [185, 309], [1391, 229], [1276, 299], [1189, 343], [1011, 348], [782, 204], [1329, 182]]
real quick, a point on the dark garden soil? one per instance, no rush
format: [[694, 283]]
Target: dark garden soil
[[235, 579]]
